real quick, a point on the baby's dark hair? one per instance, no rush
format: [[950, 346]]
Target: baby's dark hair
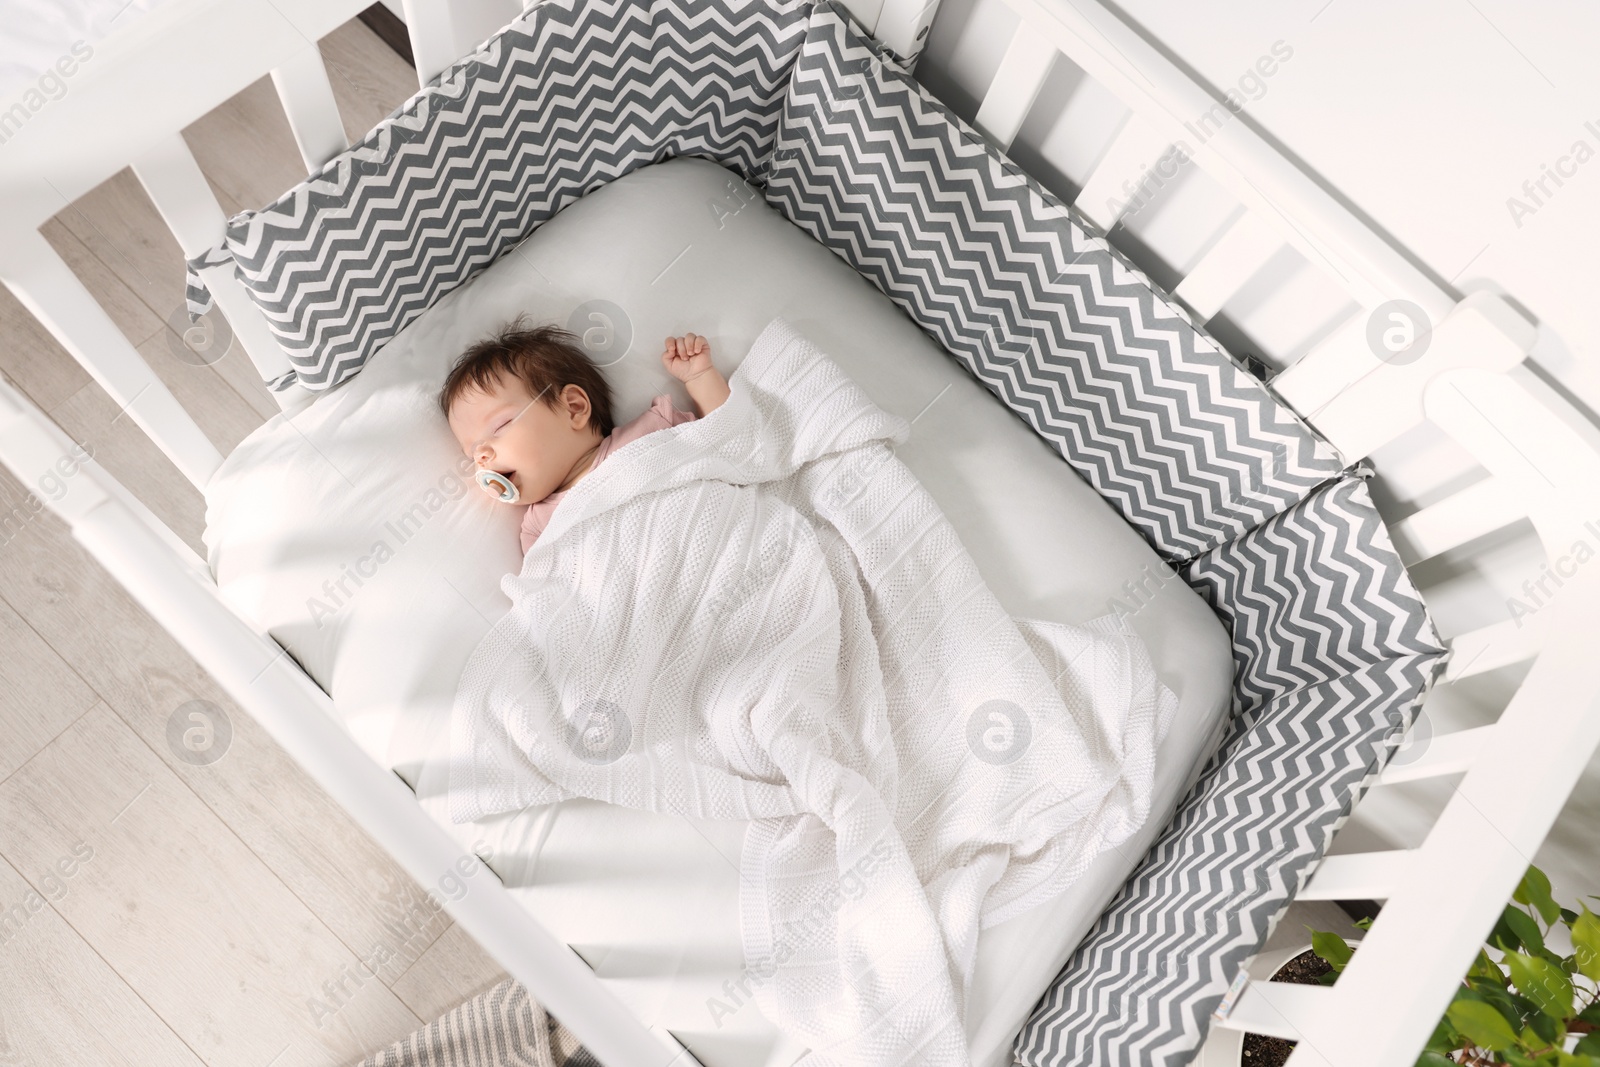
[[544, 358]]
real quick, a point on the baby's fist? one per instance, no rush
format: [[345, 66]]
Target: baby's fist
[[687, 356]]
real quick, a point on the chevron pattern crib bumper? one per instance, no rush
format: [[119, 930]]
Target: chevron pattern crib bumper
[[1333, 648], [563, 100]]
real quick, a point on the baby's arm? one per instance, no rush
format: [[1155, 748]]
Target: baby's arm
[[688, 359]]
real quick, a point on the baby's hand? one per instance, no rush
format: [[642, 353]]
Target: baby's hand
[[687, 357]]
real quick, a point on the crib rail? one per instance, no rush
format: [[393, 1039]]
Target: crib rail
[[1543, 460], [1355, 396], [109, 130], [1436, 914]]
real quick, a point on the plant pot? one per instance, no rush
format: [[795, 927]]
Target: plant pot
[[1224, 1047]]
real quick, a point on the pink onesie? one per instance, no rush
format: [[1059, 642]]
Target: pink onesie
[[660, 415]]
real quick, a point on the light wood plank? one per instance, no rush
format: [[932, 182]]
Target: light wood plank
[[225, 416], [246, 148], [265, 798], [369, 79], [40, 696], [137, 321], [454, 968], [117, 245], [47, 287], [91, 418], [177, 905], [32, 358], [116, 221], [63, 1004]]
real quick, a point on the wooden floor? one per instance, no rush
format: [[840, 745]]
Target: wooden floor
[[154, 911]]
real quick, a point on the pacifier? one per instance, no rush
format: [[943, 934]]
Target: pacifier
[[497, 485]]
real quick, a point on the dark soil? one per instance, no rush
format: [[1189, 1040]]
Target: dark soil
[[1260, 1051]]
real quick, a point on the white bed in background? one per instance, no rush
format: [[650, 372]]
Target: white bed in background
[[651, 901]]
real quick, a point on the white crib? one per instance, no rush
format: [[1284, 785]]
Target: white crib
[[1542, 457]]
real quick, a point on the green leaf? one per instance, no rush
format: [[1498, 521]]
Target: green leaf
[[1328, 979], [1332, 948], [1590, 1015], [1569, 916], [1545, 1028], [1526, 929], [1504, 936], [1433, 1059], [1502, 1001], [1586, 943], [1588, 1046], [1363, 924], [1556, 960], [1487, 969], [1482, 1025], [1444, 1039], [1535, 891], [1543, 983], [1517, 1058]]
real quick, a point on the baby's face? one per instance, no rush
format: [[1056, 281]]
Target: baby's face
[[536, 446]]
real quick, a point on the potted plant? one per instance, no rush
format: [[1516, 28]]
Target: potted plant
[[1301, 963], [1531, 1007]]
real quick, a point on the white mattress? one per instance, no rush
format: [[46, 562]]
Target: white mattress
[[349, 536]]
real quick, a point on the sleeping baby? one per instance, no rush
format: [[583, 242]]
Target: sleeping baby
[[534, 414]]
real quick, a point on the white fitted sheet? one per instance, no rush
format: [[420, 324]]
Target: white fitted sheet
[[342, 531]]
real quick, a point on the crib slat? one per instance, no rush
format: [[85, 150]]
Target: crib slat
[[1280, 1009], [1119, 181], [46, 286], [307, 98], [433, 36], [1479, 509], [903, 27], [1492, 647], [1244, 247], [169, 173], [1359, 401], [1016, 85], [1357, 876], [1450, 753]]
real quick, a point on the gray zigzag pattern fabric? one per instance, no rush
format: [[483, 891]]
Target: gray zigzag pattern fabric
[[501, 1027], [1334, 650], [1141, 988], [1032, 300], [1312, 595], [570, 96], [1333, 646]]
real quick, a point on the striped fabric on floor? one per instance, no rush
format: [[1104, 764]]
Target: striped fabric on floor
[[502, 1027]]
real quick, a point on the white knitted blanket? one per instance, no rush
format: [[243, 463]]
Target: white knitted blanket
[[763, 615]]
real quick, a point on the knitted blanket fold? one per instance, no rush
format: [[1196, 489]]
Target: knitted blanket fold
[[762, 615]]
